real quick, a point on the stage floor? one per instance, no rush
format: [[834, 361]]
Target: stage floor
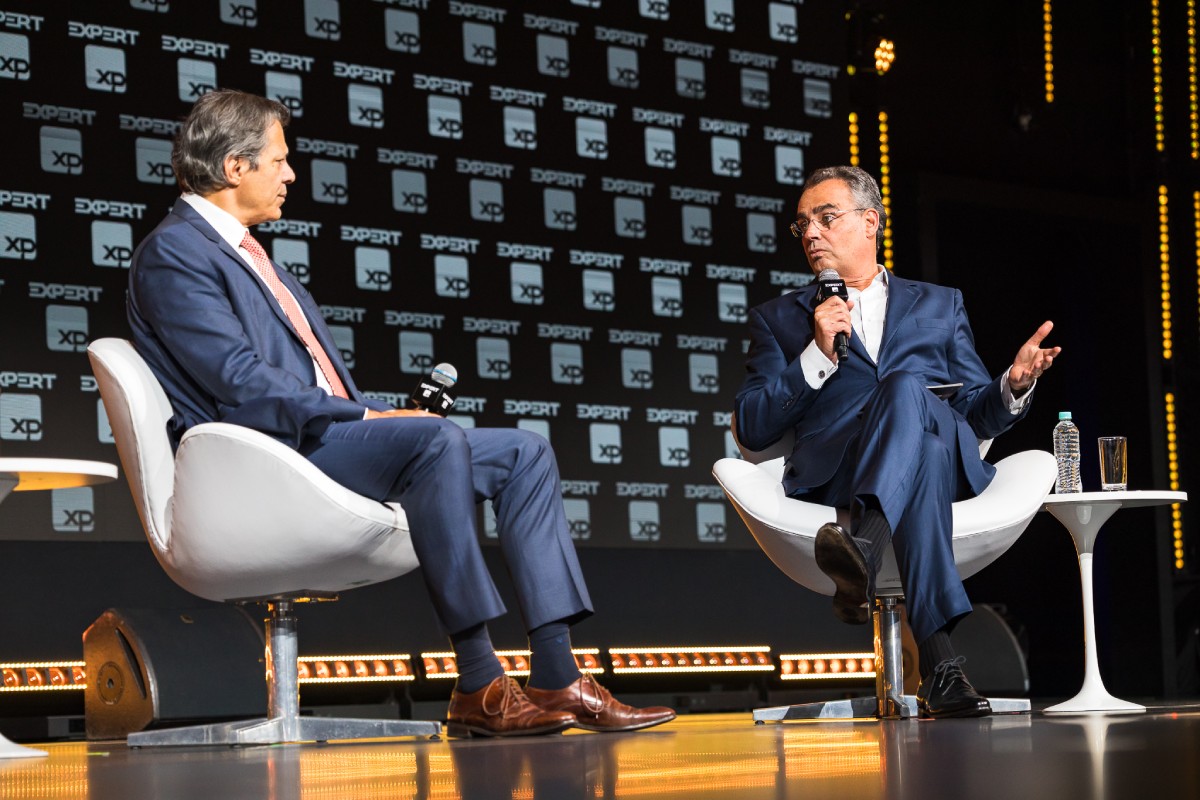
[[695, 757]]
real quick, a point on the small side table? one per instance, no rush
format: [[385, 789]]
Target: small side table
[[34, 474], [1083, 514]]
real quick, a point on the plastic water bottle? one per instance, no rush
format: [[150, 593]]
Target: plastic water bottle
[[1066, 452]]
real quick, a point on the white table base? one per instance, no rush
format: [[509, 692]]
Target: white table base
[[12, 750]]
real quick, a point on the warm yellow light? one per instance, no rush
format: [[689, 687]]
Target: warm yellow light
[[885, 54]]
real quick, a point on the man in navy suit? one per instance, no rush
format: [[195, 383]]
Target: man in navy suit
[[869, 433], [232, 338]]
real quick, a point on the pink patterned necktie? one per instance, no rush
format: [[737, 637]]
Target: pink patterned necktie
[[266, 269]]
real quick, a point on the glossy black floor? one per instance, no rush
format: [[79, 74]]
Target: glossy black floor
[[1155, 754]]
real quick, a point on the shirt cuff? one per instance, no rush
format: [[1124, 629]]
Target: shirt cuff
[[816, 367], [1015, 404]]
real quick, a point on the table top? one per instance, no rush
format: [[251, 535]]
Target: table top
[[35, 474], [1126, 499]]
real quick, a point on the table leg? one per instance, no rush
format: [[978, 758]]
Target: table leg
[[1093, 696]]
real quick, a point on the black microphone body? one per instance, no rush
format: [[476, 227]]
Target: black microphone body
[[832, 285], [431, 395]]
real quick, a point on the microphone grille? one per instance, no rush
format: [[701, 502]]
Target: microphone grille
[[828, 275], [445, 374]]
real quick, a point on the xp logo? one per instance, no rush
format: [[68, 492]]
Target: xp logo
[[591, 138], [729, 165], [372, 269], [153, 160], [365, 105], [599, 293], [818, 98], [525, 138], [329, 182], [644, 525], [566, 363], [21, 417], [14, 56], [558, 66], [160, 6], [691, 87], [710, 522], [721, 21], [487, 201], [702, 373], [445, 117], [667, 296], [674, 449], [66, 328], [637, 371], [112, 244], [553, 57], [605, 443], [240, 12], [62, 150], [789, 165], [660, 148], [287, 89], [479, 44], [629, 217], [520, 128], [322, 20], [782, 25], [756, 89], [343, 339], [409, 192], [579, 517], [18, 236], [764, 242], [452, 276], [196, 78], [492, 358], [656, 9], [632, 227], [104, 68], [786, 32], [416, 352], [559, 209], [698, 234], [527, 285], [402, 30], [595, 148], [73, 510], [639, 379], [292, 255], [623, 67]]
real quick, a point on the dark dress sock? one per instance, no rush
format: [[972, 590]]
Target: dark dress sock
[[874, 532], [477, 663], [552, 665], [935, 649]]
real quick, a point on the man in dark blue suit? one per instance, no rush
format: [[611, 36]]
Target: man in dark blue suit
[[869, 433], [232, 338]]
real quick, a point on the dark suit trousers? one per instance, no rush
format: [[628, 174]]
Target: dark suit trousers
[[438, 472], [905, 461]]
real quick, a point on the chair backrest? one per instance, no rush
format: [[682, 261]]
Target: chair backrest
[[138, 411]]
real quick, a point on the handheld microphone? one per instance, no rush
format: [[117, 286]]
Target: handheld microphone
[[832, 285], [430, 394]]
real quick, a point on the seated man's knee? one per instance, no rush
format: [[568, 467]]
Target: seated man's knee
[[900, 386]]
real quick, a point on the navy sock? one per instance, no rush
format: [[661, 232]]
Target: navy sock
[[935, 649], [477, 662], [552, 663]]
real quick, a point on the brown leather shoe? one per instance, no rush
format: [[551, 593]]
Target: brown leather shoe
[[597, 710], [501, 709]]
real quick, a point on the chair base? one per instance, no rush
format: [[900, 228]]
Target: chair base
[[868, 708], [283, 730]]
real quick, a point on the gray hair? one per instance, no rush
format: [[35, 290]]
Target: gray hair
[[863, 189], [222, 124]]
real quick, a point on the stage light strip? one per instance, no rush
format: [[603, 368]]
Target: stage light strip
[[1048, 48], [826, 666], [706, 658], [393, 667], [1193, 90], [1164, 266], [443, 665], [885, 186], [1160, 140], [43, 676], [1173, 473], [854, 151]]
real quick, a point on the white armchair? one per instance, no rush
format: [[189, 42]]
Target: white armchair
[[785, 528], [235, 516]]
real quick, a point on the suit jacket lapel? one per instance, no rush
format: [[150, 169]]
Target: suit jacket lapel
[[902, 296]]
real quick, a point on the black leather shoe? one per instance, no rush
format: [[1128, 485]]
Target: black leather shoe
[[948, 693], [841, 558]]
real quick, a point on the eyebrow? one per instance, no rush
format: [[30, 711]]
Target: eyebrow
[[820, 208]]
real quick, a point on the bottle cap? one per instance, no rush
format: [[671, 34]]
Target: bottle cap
[[1064, 415]]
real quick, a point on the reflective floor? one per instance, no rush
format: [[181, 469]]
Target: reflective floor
[[696, 757]]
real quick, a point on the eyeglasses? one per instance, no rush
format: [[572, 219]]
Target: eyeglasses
[[823, 222]]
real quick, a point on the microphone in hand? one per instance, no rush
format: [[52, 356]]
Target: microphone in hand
[[832, 285], [431, 393]]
